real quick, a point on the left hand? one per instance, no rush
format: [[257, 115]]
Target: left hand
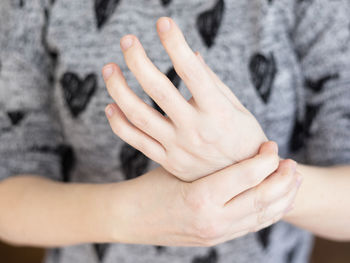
[[159, 209], [197, 137]]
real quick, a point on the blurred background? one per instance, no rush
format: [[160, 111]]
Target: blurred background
[[324, 252]]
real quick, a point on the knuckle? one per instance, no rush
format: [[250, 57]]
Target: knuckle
[[207, 136], [207, 231], [198, 201], [225, 112], [177, 164], [153, 88], [118, 128], [138, 119], [189, 70], [192, 70], [254, 177]]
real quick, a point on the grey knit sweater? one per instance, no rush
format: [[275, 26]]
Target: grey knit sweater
[[288, 61]]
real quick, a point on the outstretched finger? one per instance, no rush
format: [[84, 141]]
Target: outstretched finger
[[132, 135], [186, 64], [153, 81], [135, 109]]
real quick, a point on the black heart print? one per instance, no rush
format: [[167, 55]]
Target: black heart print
[[346, 115], [159, 249], [103, 10], [100, 250], [165, 2], [318, 85], [56, 254], [15, 116], [262, 72], [208, 22], [291, 255], [175, 79], [264, 236], [77, 92], [297, 138], [310, 115], [133, 162], [302, 129], [211, 257], [67, 158]]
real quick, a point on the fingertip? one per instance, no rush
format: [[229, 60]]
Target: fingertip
[[110, 110], [108, 70], [163, 24], [269, 147], [127, 41], [287, 166]]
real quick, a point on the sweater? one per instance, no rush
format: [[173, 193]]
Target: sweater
[[288, 62]]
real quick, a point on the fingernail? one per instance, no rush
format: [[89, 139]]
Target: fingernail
[[107, 71], [109, 111], [126, 42], [164, 25]]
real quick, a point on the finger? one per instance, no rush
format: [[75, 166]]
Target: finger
[[224, 89], [273, 212], [280, 183], [257, 221], [154, 82], [235, 179], [186, 64], [135, 109], [268, 217], [257, 199], [133, 136]]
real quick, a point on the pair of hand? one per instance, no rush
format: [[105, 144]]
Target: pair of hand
[[197, 137]]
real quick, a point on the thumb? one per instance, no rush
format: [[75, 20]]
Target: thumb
[[269, 147]]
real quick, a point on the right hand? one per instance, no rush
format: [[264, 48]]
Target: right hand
[[245, 197]]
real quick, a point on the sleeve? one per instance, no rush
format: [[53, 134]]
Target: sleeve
[[321, 38], [30, 133]]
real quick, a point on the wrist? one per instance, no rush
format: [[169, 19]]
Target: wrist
[[98, 218], [122, 215]]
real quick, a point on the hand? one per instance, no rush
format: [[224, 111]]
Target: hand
[[197, 137], [238, 199]]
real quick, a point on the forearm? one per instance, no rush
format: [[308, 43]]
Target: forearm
[[38, 211], [322, 205]]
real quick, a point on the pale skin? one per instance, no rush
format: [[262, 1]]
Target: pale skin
[[226, 204], [195, 129]]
